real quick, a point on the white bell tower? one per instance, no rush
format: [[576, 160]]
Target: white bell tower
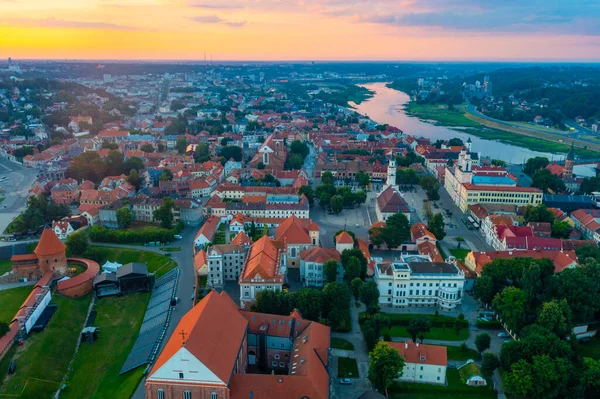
[[391, 173]]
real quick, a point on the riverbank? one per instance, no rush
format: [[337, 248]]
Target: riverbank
[[458, 118]]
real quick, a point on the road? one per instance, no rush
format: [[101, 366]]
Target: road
[[185, 287], [16, 188]]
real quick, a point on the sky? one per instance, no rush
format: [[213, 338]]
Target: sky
[[425, 30]]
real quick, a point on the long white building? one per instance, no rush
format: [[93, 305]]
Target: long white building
[[416, 281]]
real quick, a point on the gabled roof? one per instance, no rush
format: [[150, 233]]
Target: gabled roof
[[390, 201], [319, 255], [293, 231], [344, 238], [242, 239], [421, 353], [49, 244], [419, 231], [263, 260], [214, 331]]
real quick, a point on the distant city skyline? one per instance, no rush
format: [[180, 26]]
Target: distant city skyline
[[304, 30]]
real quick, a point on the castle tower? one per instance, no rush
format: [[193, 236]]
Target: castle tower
[[391, 173], [51, 253], [568, 171], [469, 144], [313, 231]]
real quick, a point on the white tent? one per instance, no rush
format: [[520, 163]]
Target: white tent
[[111, 266]]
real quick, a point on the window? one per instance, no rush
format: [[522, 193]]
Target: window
[[213, 395], [438, 378], [181, 376], [276, 356], [421, 368], [273, 364], [160, 394], [281, 364], [187, 395]]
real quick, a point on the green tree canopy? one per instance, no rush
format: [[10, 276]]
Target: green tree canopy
[[385, 366], [124, 216]]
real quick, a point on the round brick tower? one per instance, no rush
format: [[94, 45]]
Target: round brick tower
[[51, 253]]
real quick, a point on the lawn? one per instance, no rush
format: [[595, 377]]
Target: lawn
[[42, 361], [454, 389], [460, 253], [440, 114], [119, 320], [156, 262], [447, 334], [347, 367], [456, 353], [340, 343], [5, 266], [219, 238], [591, 348], [12, 227], [11, 301]]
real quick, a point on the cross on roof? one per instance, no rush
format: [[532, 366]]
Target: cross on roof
[[183, 335]]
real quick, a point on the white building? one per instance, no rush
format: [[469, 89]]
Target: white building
[[424, 364], [311, 265], [224, 263], [415, 281]]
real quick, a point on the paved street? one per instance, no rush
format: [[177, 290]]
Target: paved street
[[347, 219], [15, 190]]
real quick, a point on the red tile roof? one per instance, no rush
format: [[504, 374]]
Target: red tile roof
[[49, 244], [293, 231], [421, 353], [242, 239], [319, 255], [419, 231], [263, 260], [344, 238]]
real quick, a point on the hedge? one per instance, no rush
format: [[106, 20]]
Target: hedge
[[403, 320], [135, 236]]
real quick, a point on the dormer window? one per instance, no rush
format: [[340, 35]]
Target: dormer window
[[422, 358]]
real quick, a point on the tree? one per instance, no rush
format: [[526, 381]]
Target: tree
[[260, 166], [588, 251], [133, 163], [359, 197], [226, 140], [489, 364], [385, 366], [309, 192], [534, 164], [231, 151], [499, 162], [337, 204], [330, 270], [164, 214], [407, 176], [324, 199], [431, 187], [544, 378], [396, 230], [336, 304], [356, 284], [455, 142], [294, 161], [352, 269], [418, 325], [77, 243], [556, 317], [546, 181], [202, 153], [166, 175], [561, 229], [376, 236], [134, 179], [147, 147], [114, 163], [356, 253], [369, 294], [511, 304], [310, 303], [161, 147], [436, 226], [87, 166], [327, 177], [590, 378], [482, 342], [124, 216], [362, 178]]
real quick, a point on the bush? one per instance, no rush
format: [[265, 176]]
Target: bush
[[362, 317], [387, 337], [136, 236], [3, 328]]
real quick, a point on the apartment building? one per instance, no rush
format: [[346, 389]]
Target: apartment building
[[224, 263]]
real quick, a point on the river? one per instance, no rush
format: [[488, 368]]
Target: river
[[386, 106]]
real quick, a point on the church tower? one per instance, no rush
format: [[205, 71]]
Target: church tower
[[568, 171], [391, 173]]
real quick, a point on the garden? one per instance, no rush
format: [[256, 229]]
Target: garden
[[433, 326], [157, 263], [347, 367], [455, 388]]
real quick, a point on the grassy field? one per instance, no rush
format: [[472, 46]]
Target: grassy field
[[460, 253], [456, 353], [439, 114], [340, 343], [119, 320], [42, 361], [454, 389], [11, 300], [5, 266], [156, 262], [11, 228], [347, 367], [448, 334]]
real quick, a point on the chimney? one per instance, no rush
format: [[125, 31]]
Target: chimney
[[280, 380], [406, 345], [417, 344]]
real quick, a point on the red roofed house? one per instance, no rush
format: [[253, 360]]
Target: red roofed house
[[390, 202], [264, 268], [237, 223], [297, 235], [218, 351], [113, 136], [425, 364], [311, 265], [343, 241], [62, 229], [207, 232], [419, 234], [242, 239], [476, 261]]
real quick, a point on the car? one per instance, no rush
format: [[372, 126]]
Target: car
[[503, 334], [345, 381], [469, 227], [483, 319], [177, 237], [168, 254], [357, 225]]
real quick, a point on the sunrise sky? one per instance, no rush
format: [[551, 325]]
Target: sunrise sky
[[526, 30]]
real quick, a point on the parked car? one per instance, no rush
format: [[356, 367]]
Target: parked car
[[177, 237], [345, 381], [503, 334], [168, 254]]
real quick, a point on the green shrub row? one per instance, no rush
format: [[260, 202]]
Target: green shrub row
[[135, 236], [490, 325]]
